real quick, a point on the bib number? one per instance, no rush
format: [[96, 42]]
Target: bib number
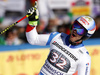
[[59, 61]]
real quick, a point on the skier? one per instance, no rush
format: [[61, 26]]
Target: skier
[[67, 52]]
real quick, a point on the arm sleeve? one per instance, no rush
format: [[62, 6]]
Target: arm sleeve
[[38, 39], [84, 66]]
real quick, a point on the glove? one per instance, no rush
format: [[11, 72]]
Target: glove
[[33, 15]]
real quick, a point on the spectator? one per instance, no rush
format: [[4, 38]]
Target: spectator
[[46, 13], [61, 28], [54, 10], [2, 40], [65, 28], [50, 27], [21, 34], [12, 37]]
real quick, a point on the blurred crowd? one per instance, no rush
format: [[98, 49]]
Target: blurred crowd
[[51, 18]]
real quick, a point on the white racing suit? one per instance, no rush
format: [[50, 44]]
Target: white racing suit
[[64, 58]]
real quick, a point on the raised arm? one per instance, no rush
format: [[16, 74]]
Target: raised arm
[[31, 33], [34, 38]]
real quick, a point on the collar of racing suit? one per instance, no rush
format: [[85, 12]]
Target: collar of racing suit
[[76, 42]]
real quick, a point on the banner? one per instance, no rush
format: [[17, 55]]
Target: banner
[[16, 5], [22, 62], [94, 52], [81, 7], [59, 4], [30, 61]]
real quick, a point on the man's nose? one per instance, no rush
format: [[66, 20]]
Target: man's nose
[[75, 31]]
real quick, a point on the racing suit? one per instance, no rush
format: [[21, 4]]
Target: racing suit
[[64, 58]]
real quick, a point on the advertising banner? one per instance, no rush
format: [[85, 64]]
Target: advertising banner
[[16, 5], [30, 61], [94, 52], [59, 4], [81, 7], [22, 62]]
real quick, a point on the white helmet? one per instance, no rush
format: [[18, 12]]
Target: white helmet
[[89, 24]]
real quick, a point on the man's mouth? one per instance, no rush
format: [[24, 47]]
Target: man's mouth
[[74, 34]]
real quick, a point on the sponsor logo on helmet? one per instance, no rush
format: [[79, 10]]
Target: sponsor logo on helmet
[[84, 21], [89, 19]]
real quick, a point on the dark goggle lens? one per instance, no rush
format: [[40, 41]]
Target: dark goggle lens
[[80, 30]]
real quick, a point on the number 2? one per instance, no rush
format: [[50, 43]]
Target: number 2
[[61, 64]]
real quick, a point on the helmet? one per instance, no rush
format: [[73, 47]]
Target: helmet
[[88, 24]]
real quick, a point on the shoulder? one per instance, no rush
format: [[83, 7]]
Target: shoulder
[[64, 34], [57, 35], [52, 36], [84, 57], [85, 51], [54, 33]]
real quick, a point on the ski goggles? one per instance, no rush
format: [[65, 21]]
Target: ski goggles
[[80, 30]]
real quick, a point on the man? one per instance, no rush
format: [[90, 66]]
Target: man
[[67, 52]]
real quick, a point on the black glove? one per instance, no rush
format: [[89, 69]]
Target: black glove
[[33, 15]]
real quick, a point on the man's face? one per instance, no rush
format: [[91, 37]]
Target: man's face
[[74, 36], [77, 32]]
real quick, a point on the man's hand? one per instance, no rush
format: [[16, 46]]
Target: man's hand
[[34, 15]]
